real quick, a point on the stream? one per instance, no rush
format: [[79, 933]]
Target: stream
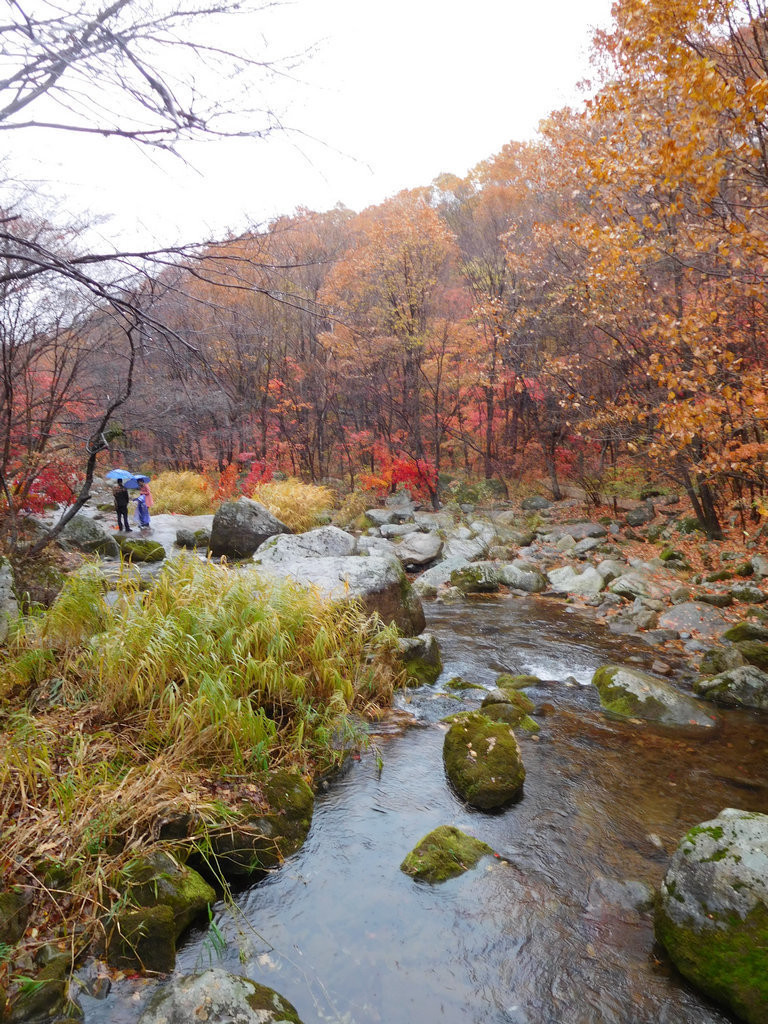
[[549, 933]]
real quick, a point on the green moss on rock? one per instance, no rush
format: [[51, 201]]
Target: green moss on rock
[[142, 940], [159, 880], [745, 631], [141, 550], [444, 853], [506, 681], [483, 762], [754, 652]]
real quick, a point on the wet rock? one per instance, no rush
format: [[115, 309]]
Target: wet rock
[[429, 582], [378, 582], [720, 659], [83, 534], [324, 542], [262, 839], [754, 652], [506, 681], [630, 693], [48, 998], [216, 995], [239, 527], [527, 580], [483, 762], [159, 879], [141, 550], [444, 853], [567, 581], [712, 914], [141, 940], [9, 608], [477, 578], [692, 615], [421, 658], [745, 686], [186, 538]]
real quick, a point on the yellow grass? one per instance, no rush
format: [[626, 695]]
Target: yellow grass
[[184, 493], [300, 506]]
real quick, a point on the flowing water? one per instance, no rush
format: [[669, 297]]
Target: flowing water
[[550, 932]]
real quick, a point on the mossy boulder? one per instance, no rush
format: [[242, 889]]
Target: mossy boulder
[[712, 912], [754, 652], [476, 578], [749, 594], [520, 700], [83, 534], [630, 693], [510, 682], [47, 998], [420, 656], [716, 600], [444, 853], [745, 631], [215, 995], [459, 683], [261, 839], [141, 940], [141, 550], [483, 762], [720, 659], [160, 880], [745, 686]]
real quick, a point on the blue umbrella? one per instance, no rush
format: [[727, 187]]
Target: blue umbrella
[[118, 474]]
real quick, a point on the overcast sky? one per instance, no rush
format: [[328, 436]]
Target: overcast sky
[[396, 93]]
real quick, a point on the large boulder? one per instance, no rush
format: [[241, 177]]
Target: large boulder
[[324, 542], [483, 761], [215, 995], [567, 581], [421, 658], [634, 584], [712, 913], [378, 582], [141, 550], [694, 616], [84, 534], [9, 608], [477, 578], [444, 853], [239, 527], [521, 579], [630, 693], [429, 582], [743, 686], [419, 548], [159, 879]]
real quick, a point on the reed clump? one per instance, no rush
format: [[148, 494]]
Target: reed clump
[[184, 493], [300, 506], [179, 697]]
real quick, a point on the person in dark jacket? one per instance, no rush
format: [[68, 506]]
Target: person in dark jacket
[[121, 506]]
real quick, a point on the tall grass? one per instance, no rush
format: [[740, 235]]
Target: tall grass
[[185, 493], [159, 697], [300, 506]]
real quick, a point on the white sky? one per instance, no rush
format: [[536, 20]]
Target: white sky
[[398, 92]]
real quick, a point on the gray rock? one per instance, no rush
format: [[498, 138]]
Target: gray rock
[[610, 569], [419, 548], [522, 579], [749, 594], [744, 686], [470, 550], [377, 581], [186, 538], [568, 581], [239, 527], [630, 693], [632, 584], [380, 516], [578, 531], [692, 615], [421, 657], [535, 503], [216, 995], [640, 515], [477, 578], [429, 582], [375, 546], [760, 565], [84, 534], [712, 914], [583, 547], [565, 543], [392, 530], [324, 542], [9, 608]]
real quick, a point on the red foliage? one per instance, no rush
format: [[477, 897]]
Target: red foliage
[[260, 473], [416, 475]]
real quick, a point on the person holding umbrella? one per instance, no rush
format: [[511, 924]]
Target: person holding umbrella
[[121, 506]]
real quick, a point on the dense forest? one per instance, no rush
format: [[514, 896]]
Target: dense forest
[[586, 307]]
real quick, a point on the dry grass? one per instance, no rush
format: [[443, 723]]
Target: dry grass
[[300, 506], [184, 493]]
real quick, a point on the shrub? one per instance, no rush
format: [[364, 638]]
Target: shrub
[[185, 493], [300, 506]]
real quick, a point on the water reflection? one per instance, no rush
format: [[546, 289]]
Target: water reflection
[[558, 931]]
